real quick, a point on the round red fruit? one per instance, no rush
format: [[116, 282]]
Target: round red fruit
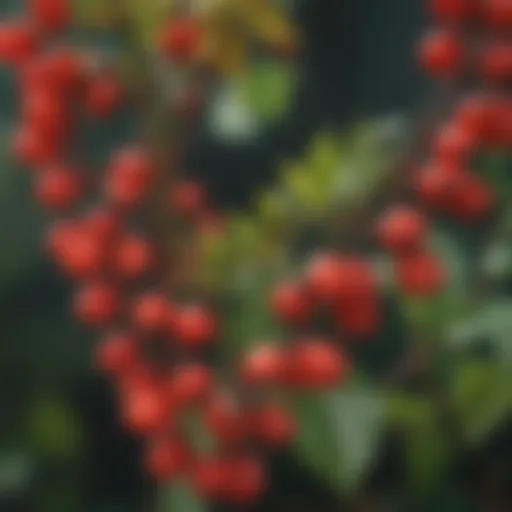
[[498, 14], [263, 365], [117, 353], [18, 42], [152, 312], [291, 303], [190, 383], [452, 11], [145, 410], [496, 62], [247, 478], [441, 53], [97, 303], [273, 425], [420, 274], [103, 96], [210, 477], [194, 326], [225, 420], [401, 228], [454, 145], [187, 198], [180, 40], [133, 257], [167, 458], [58, 187], [50, 15]]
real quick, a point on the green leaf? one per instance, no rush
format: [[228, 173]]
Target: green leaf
[[181, 497], [339, 434]]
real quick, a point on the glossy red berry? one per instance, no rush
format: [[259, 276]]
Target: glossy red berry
[[474, 199], [133, 256], [145, 409], [129, 177], [105, 224], [453, 144], [180, 39], [193, 326], [117, 353], [474, 116], [167, 458], [291, 303], [359, 318], [225, 420], [210, 477], [190, 383], [263, 365], [152, 312], [97, 303], [247, 480], [316, 363], [103, 96], [18, 42], [50, 15], [437, 184], [35, 147], [498, 14], [496, 62], [44, 112], [58, 187], [451, 10], [401, 228], [441, 53], [420, 274]]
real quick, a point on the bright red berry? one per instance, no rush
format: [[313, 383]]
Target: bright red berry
[[50, 15], [498, 14], [133, 256], [210, 477], [474, 116], [190, 383], [360, 318], [291, 303], [194, 326], [35, 147], [18, 42], [225, 420], [104, 223], [453, 144], [117, 353], [401, 228], [44, 111], [97, 303], [152, 312], [263, 365], [180, 40], [441, 53], [496, 62], [247, 480], [145, 409], [58, 187], [316, 363], [420, 274], [474, 199], [103, 96]]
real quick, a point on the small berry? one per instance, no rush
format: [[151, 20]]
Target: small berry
[[441, 53], [152, 312], [34, 147], [273, 425], [167, 458], [133, 257], [263, 365], [97, 303], [51, 15], [401, 228], [360, 318], [454, 144], [116, 353], [225, 420], [496, 62], [18, 42], [193, 326], [291, 303], [103, 96], [498, 14], [210, 477], [58, 187], [187, 198], [451, 10], [247, 480], [190, 383], [144, 409], [44, 112]]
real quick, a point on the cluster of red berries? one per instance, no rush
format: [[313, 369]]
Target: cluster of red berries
[[152, 346]]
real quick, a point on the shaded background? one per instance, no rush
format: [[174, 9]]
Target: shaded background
[[62, 447]]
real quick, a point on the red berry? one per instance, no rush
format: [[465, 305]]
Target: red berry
[[498, 14], [210, 477], [291, 303], [453, 144], [273, 425], [78, 251], [359, 318], [166, 458], [50, 15], [58, 187], [180, 39], [152, 312], [451, 10], [187, 198], [401, 228], [420, 274], [45, 112], [474, 200], [441, 53], [145, 409], [496, 62], [474, 115], [129, 177], [103, 96], [133, 257], [97, 303], [247, 480], [263, 365], [34, 147], [225, 420], [117, 353], [331, 277], [103, 223], [18, 42], [316, 363], [190, 383], [194, 326]]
